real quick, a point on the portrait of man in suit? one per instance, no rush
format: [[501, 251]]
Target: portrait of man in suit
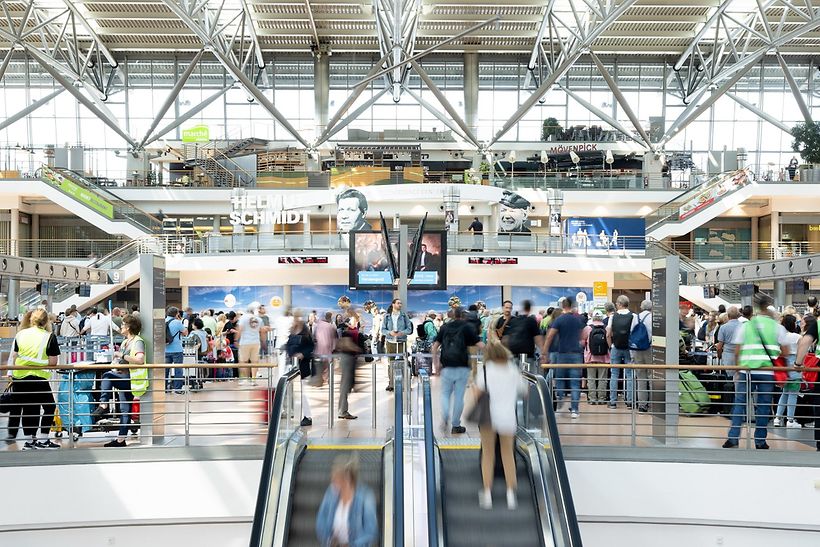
[[351, 208]]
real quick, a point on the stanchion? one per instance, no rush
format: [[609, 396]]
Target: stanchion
[[373, 386], [330, 377]]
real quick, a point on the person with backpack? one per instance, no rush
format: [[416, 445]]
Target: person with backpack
[[617, 331], [759, 343], [454, 339], [175, 331], [640, 343], [567, 327], [596, 350], [523, 334]]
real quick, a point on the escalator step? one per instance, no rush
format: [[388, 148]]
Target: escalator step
[[312, 480], [467, 524]]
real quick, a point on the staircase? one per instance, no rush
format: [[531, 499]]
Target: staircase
[[698, 205], [96, 204], [125, 258], [215, 164]]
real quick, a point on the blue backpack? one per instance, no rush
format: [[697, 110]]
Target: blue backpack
[[639, 339]]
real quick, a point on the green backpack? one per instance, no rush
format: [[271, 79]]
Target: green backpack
[[694, 399]]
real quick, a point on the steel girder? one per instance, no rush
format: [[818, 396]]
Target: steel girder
[[204, 21], [728, 42], [68, 40], [566, 42], [396, 26]]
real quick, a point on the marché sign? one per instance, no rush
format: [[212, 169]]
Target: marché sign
[[198, 133]]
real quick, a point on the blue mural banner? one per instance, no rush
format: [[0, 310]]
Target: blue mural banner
[[545, 297], [236, 298], [603, 236], [437, 301]]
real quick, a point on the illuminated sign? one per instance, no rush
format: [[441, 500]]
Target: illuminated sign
[[302, 260], [493, 260], [198, 133]]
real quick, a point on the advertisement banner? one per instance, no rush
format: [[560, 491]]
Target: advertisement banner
[[198, 133], [282, 179], [74, 190], [711, 191], [600, 293], [368, 175], [606, 235]]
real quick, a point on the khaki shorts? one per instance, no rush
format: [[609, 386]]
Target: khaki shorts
[[248, 354]]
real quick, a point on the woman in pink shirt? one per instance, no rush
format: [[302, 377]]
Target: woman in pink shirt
[[596, 350]]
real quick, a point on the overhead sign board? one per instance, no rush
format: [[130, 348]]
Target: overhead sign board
[[493, 260], [198, 133], [302, 260]]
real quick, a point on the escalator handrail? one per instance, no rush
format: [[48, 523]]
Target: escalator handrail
[[558, 464], [429, 459], [398, 458], [270, 456]]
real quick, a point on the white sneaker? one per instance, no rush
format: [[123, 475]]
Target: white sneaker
[[777, 422], [574, 415], [791, 424], [512, 501], [485, 499]]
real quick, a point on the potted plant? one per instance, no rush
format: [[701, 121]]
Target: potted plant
[[807, 144], [550, 130]]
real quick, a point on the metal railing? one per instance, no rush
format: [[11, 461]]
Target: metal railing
[[122, 210], [202, 404], [684, 406], [61, 249], [742, 251], [585, 180], [709, 192]]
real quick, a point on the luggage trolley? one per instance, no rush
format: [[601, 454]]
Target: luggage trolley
[[193, 374]]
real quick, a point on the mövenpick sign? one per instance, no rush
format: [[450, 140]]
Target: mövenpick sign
[[256, 210]]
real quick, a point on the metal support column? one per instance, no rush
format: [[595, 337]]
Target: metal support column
[[321, 89], [471, 91], [152, 310]]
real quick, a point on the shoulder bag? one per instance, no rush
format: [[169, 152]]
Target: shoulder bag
[[480, 413], [811, 367], [779, 362]]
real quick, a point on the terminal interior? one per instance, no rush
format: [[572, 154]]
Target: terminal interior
[[258, 260]]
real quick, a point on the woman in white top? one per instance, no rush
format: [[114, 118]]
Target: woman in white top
[[788, 399], [503, 383]]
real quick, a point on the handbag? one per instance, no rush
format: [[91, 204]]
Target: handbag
[[781, 376], [480, 413], [811, 367], [7, 399]]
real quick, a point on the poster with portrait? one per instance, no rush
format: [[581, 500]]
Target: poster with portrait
[[351, 208], [370, 265], [513, 214]]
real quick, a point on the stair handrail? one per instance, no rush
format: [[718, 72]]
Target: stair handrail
[[671, 209], [122, 209]]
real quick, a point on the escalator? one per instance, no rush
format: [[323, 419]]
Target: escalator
[[296, 474], [545, 515], [311, 481]]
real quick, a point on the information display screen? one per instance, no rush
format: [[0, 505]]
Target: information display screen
[[370, 264]]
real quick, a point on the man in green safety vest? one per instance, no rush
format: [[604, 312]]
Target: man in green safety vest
[[758, 342]]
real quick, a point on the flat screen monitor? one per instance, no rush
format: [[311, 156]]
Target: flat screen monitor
[[370, 264]]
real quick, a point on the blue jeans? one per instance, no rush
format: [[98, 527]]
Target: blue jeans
[[617, 357], [174, 359], [763, 386], [558, 375], [788, 399], [571, 378], [122, 382], [453, 384]]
